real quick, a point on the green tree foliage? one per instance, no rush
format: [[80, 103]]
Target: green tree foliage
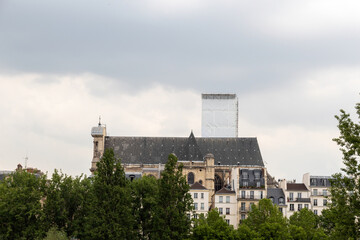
[[110, 216], [66, 203], [173, 203], [144, 204], [21, 215], [308, 222], [266, 219], [212, 227], [55, 234], [342, 217]]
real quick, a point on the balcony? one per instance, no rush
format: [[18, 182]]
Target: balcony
[[256, 183], [244, 210], [306, 200], [249, 197]]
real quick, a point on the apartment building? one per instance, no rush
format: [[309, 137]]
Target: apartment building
[[319, 189], [226, 204], [297, 196], [200, 196]]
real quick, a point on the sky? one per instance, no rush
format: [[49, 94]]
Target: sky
[[142, 66]]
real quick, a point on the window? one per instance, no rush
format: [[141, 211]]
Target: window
[[242, 194], [245, 175], [218, 183], [251, 194], [315, 212], [299, 207], [281, 200], [315, 192], [258, 184], [190, 178], [261, 195], [272, 199], [132, 177], [220, 199], [299, 195], [196, 206], [202, 206], [227, 211], [251, 205], [242, 206], [257, 175], [280, 209], [315, 202], [245, 184], [227, 221], [227, 199], [195, 216], [242, 216], [201, 182], [220, 211], [291, 196], [202, 195], [306, 206], [195, 195], [291, 207], [324, 192], [324, 202]]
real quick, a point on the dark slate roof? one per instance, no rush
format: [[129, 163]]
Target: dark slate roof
[[276, 193], [296, 187], [320, 181], [225, 191], [154, 150], [198, 186]]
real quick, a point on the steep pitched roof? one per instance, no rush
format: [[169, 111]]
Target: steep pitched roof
[[197, 186], [275, 193], [154, 150], [296, 187]]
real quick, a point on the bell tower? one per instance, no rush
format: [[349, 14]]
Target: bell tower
[[99, 134]]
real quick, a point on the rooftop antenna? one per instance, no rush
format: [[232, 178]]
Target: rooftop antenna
[[99, 121]]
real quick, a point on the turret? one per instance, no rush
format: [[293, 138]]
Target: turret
[[99, 134]]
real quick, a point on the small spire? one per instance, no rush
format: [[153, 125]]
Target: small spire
[[99, 121]]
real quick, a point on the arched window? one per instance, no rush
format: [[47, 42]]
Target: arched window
[[218, 183], [190, 178], [281, 200], [201, 182]]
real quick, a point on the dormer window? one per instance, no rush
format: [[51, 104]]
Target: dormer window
[[245, 175]]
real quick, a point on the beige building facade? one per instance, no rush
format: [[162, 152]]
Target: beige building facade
[[215, 163]]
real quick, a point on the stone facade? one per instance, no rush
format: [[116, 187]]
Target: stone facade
[[216, 164]]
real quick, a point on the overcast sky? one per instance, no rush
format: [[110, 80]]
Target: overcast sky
[[142, 66]]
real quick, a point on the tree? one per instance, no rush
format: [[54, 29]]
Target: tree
[[267, 221], [306, 220], [212, 227], [55, 234], [65, 205], [110, 216], [344, 208], [21, 216], [173, 203], [144, 193]]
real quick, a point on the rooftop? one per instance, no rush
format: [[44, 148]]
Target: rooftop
[[296, 187], [155, 150], [197, 186], [225, 191]]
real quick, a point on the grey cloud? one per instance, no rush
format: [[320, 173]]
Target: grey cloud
[[120, 41]]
